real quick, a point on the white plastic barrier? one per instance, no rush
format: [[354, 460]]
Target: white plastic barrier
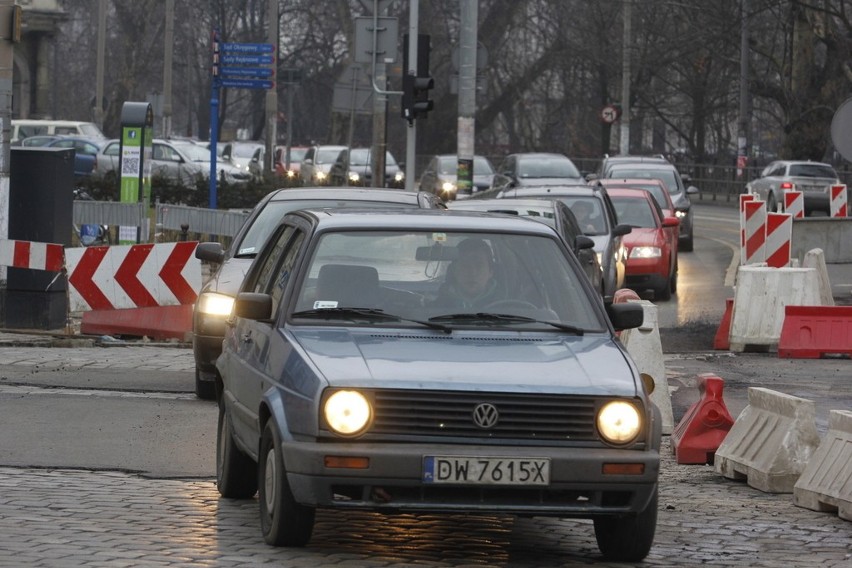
[[645, 347], [815, 259], [770, 442], [760, 296], [826, 482]]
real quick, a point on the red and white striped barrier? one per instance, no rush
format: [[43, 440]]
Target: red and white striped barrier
[[135, 276], [794, 204], [838, 201], [779, 234], [754, 232], [744, 198], [35, 256]]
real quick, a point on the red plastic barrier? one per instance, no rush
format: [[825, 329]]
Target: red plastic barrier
[[163, 322], [704, 426], [723, 334], [621, 296], [811, 332]]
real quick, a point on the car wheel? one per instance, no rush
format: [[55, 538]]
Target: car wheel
[[205, 390], [685, 243], [282, 521], [673, 280], [628, 538], [664, 293], [236, 472]]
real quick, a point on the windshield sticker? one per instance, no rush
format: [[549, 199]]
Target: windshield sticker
[[324, 304], [439, 237], [247, 250]]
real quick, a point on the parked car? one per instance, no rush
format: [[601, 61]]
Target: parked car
[[354, 167], [239, 154], [609, 161], [813, 179], [351, 381], [85, 151], [217, 295], [679, 189], [651, 246], [199, 153], [26, 127], [441, 175], [289, 168], [594, 213], [550, 212], [536, 168], [317, 163]]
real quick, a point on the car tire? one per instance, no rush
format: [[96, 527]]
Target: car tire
[[673, 280], [685, 243], [236, 472], [628, 538], [283, 522], [664, 293], [205, 390]]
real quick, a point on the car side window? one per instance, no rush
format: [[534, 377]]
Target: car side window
[[112, 149], [277, 266]]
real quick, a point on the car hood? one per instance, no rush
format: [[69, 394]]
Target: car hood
[[643, 237], [230, 275], [467, 360]]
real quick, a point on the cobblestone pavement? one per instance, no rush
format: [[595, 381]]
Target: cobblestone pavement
[[63, 517], [106, 519]]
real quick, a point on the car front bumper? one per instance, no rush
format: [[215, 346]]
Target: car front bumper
[[393, 481]]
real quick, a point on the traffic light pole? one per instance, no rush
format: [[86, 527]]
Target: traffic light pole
[[411, 131]]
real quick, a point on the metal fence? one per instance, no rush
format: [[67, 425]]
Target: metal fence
[[199, 220]]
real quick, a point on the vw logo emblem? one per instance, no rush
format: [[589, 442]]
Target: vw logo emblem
[[485, 415]]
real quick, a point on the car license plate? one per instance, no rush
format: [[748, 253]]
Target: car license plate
[[469, 470]]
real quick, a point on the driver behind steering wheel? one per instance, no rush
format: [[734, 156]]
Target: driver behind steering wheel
[[471, 282]]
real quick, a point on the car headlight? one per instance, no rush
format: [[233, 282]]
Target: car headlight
[[448, 187], [680, 214], [619, 422], [399, 176], [291, 174], [321, 175], [646, 252], [347, 412], [600, 258], [215, 304], [354, 177]]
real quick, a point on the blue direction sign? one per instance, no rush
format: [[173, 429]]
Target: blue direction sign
[[227, 47], [246, 83], [245, 72], [232, 59]]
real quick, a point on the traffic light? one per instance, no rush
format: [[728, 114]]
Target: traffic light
[[415, 88]]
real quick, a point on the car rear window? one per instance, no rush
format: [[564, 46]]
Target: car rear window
[[812, 170]]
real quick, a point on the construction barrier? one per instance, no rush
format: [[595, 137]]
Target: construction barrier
[[722, 339], [837, 207], [754, 232], [760, 296], [771, 441], [794, 204], [812, 332], [162, 322], [35, 256], [826, 482], [816, 259], [645, 348], [779, 232], [702, 429]]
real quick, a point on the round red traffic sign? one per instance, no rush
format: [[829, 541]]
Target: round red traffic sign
[[609, 114]]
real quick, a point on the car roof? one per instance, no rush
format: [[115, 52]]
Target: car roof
[[630, 192], [423, 219], [360, 193], [482, 204], [615, 182], [555, 190]]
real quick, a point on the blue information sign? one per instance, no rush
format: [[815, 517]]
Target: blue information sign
[[232, 48], [232, 59], [246, 83], [245, 72]]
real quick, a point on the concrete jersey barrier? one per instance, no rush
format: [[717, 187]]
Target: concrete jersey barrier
[[771, 441], [826, 482]]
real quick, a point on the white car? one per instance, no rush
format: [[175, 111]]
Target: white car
[[813, 179]]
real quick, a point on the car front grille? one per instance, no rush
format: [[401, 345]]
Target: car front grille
[[451, 413]]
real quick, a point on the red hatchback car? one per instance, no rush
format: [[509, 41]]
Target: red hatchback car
[[651, 245]]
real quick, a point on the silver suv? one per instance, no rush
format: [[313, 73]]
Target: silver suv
[[813, 179]]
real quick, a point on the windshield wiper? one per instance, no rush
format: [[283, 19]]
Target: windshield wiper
[[484, 317], [365, 313]]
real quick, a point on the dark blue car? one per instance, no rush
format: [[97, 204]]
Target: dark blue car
[[441, 361], [85, 150]]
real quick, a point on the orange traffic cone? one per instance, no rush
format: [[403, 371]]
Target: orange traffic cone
[[704, 426]]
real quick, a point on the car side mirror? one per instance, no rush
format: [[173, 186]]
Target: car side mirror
[[671, 222], [627, 315], [687, 179], [253, 306], [582, 242], [692, 190], [591, 177], [211, 252], [621, 230]]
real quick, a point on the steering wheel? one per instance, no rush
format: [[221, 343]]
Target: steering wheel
[[522, 304]]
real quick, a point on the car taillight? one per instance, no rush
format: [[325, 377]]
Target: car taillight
[[787, 185]]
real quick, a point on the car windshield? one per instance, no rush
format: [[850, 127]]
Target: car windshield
[[634, 211], [326, 155], [297, 154], [361, 157], [243, 150], [547, 168], [812, 170], [194, 152], [667, 176], [657, 191], [455, 278], [449, 165], [271, 214]]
